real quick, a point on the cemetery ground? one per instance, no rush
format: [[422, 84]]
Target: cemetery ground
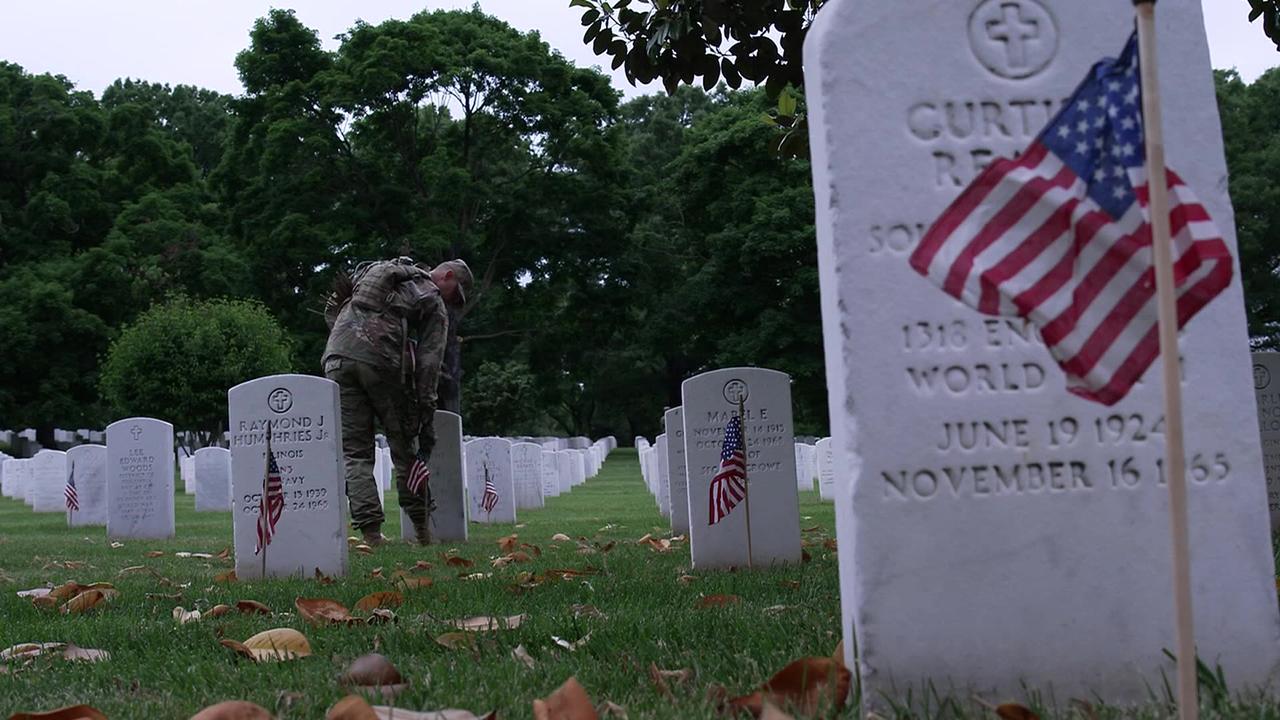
[[632, 607]]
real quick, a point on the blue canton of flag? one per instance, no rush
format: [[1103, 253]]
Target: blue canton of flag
[[1061, 236]]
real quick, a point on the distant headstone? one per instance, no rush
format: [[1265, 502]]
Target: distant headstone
[[961, 461], [301, 412], [49, 480], [88, 463], [187, 471], [18, 476], [826, 470], [550, 475], [448, 483], [526, 470], [718, 520], [1266, 386], [579, 467], [564, 469], [140, 479], [677, 479], [490, 458], [212, 467], [382, 466], [662, 481]]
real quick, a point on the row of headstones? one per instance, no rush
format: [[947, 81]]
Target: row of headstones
[[680, 466]]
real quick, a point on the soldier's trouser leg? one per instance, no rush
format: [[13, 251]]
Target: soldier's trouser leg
[[397, 411], [357, 442]]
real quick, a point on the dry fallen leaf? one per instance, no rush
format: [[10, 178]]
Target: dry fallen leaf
[[1014, 711], [422, 565], [79, 654], [481, 623], [320, 611], [364, 549], [225, 577], [278, 644], [455, 561], [233, 710], [663, 679], [521, 654], [411, 583], [375, 673], [718, 601], [87, 600], [27, 651], [155, 553], [322, 578], [838, 653], [252, 607], [591, 611], [508, 543], [184, 616], [457, 640], [561, 537], [218, 610], [384, 599], [389, 713], [568, 702], [73, 712], [810, 685], [351, 707]]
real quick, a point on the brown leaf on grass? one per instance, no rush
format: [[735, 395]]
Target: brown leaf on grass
[[376, 574], [66, 591], [134, 569], [708, 601], [838, 653], [1014, 711], [252, 607], [322, 578], [805, 556], [321, 611], [663, 679], [383, 599], [830, 544], [457, 640], [224, 554], [482, 623], [645, 540], [422, 565], [72, 712], [155, 553], [184, 616], [226, 577], [364, 549], [218, 610], [375, 673], [534, 549], [76, 653], [412, 583], [351, 707], [45, 602], [659, 545], [28, 651], [508, 543], [686, 579], [233, 710], [810, 685], [569, 702], [238, 647], [815, 528], [522, 655], [561, 537], [87, 600], [569, 574], [455, 561], [278, 644], [591, 611]]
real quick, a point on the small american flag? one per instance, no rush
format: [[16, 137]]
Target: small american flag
[[728, 487], [419, 476], [1061, 237], [272, 505], [489, 500], [73, 499]]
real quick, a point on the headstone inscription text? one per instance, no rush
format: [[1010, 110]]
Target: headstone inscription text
[[140, 479]]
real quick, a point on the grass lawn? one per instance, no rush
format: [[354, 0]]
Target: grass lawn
[[160, 669]]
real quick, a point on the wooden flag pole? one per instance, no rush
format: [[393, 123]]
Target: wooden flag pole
[[746, 480], [1175, 457]]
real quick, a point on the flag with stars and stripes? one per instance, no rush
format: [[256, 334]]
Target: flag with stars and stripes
[[69, 492], [1061, 236], [489, 499], [272, 505], [419, 476], [729, 486]]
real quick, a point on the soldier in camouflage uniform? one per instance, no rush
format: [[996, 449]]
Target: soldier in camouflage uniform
[[387, 331]]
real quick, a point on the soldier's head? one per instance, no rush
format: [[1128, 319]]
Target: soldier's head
[[454, 279]]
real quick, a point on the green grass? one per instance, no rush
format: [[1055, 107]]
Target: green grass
[[159, 669]]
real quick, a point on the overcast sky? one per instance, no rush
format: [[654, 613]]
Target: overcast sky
[[194, 42]]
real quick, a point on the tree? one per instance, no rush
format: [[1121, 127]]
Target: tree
[[178, 359], [1269, 11]]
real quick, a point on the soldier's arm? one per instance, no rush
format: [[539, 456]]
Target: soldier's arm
[[428, 363]]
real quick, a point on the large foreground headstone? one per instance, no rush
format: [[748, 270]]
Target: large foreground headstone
[[490, 458], [140, 479], [49, 469], [448, 483], [301, 412], [1266, 386], [961, 461], [526, 470], [88, 464], [212, 468], [718, 540], [677, 479]]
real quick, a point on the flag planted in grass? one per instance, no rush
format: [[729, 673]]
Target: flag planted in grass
[[1062, 237], [73, 499]]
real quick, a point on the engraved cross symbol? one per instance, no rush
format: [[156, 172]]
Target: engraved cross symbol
[[136, 432], [1014, 32]]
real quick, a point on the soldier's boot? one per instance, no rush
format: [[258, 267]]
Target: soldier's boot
[[422, 533], [373, 537]]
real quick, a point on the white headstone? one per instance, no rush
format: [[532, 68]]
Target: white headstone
[[709, 401], [26, 482], [20, 476], [550, 475], [677, 479], [1266, 386], [526, 470], [803, 480], [382, 465], [579, 467], [564, 469], [1042, 496], [662, 481], [89, 465], [302, 414], [49, 481], [448, 483], [187, 471], [212, 468], [490, 458], [826, 470], [140, 479]]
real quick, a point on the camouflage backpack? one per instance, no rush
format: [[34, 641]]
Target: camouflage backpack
[[395, 286]]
